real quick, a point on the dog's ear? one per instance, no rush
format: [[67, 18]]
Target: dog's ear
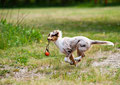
[[57, 34]]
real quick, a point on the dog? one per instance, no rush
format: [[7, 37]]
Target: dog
[[68, 45]]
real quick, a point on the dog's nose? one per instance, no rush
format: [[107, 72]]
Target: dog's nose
[[48, 39]]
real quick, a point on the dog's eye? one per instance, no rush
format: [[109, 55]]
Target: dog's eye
[[54, 35], [49, 35]]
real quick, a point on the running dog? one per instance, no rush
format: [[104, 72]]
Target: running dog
[[68, 45]]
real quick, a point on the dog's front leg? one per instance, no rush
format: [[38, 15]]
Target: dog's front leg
[[69, 56], [72, 59], [67, 60]]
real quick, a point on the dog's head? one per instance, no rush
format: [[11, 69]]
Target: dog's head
[[53, 36]]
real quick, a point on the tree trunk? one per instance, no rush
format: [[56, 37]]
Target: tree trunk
[[106, 2], [96, 1]]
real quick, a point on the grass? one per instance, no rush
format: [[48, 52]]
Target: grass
[[96, 23], [11, 35]]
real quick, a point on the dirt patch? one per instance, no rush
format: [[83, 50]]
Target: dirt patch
[[22, 73], [112, 60]]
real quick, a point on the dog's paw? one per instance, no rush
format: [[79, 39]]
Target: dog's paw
[[67, 60], [78, 59], [71, 63]]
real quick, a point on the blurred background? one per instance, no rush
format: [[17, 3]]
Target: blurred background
[[43, 3]]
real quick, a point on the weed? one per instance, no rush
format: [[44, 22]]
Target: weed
[[3, 72], [11, 35], [117, 75], [21, 60]]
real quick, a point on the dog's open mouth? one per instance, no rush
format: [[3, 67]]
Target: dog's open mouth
[[50, 39]]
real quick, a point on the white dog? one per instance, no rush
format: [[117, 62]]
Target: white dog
[[68, 45]]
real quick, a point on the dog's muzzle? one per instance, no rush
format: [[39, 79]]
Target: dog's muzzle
[[49, 38]]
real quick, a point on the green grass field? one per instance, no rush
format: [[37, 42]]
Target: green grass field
[[22, 59]]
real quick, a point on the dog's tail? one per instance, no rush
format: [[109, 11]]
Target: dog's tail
[[102, 42]]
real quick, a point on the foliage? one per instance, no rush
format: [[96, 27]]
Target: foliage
[[3, 72], [15, 35], [22, 60], [22, 3]]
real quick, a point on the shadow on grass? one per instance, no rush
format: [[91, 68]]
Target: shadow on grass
[[84, 26]]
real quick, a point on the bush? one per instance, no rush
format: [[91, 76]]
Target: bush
[[16, 35]]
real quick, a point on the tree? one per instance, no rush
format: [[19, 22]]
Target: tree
[[3, 2], [106, 2], [95, 1]]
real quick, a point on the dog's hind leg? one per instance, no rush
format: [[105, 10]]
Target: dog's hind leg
[[79, 53]]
